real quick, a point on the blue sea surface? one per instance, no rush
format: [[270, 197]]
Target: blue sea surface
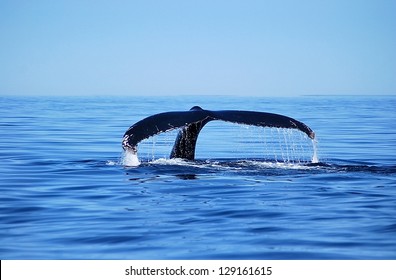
[[252, 193]]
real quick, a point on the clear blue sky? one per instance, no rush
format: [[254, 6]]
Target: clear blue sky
[[159, 47]]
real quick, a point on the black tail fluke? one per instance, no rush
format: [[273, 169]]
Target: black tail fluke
[[191, 122]]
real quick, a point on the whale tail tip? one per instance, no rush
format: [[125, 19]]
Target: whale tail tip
[[196, 108]]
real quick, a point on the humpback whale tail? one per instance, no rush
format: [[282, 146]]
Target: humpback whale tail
[[191, 122]]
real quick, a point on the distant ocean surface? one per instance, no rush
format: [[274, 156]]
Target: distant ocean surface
[[252, 193]]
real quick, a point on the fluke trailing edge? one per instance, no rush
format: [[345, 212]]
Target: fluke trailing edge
[[191, 122]]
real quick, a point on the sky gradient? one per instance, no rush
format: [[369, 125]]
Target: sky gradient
[[265, 48]]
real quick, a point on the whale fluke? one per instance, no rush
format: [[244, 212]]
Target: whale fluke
[[191, 122]]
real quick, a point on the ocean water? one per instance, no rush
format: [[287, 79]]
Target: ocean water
[[67, 191]]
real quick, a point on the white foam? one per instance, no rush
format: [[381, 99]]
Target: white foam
[[111, 162], [130, 159], [178, 161], [233, 165], [274, 165], [170, 161]]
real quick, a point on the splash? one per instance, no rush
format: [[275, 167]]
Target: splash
[[171, 161], [275, 165], [315, 158], [130, 159]]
